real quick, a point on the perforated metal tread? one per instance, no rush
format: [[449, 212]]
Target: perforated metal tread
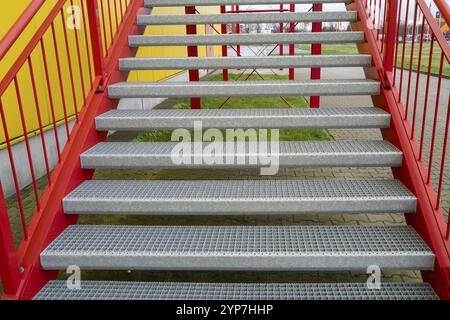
[[114, 290], [354, 60], [183, 3], [247, 39], [271, 17], [239, 197], [339, 117], [128, 155], [173, 89], [237, 248]]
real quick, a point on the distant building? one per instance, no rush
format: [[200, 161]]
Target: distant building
[[442, 24]]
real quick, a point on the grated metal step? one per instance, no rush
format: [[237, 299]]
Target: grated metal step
[[247, 39], [129, 155], [243, 88], [183, 3], [231, 18], [240, 197], [114, 290], [261, 248], [245, 62], [137, 120]]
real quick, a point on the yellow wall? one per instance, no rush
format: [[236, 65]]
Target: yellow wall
[[11, 10]]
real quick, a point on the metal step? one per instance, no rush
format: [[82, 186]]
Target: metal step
[[184, 3], [129, 155], [270, 17], [247, 39], [278, 118], [328, 61], [259, 248], [171, 89], [115, 290], [239, 197]]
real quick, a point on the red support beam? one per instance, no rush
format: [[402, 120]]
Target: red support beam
[[19, 27], [238, 31], [391, 8], [9, 265], [428, 221], [223, 27], [193, 52], [50, 221], [316, 49], [281, 31], [96, 42], [292, 46]]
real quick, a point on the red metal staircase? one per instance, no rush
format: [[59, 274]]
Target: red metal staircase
[[21, 270]]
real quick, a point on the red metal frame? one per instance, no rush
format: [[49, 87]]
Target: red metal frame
[[236, 29], [20, 270], [14, 33], [9, 266], [316, 49], [223, 29], [21, 274], [428, 220], [292, 46], [192, 51]]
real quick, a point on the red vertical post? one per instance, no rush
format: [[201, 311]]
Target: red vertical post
[[233, 29], [390, 39], [223, 10], [193, 52], [238, 31], [316, 49], [9, 266], [96, 41], [281, 30], [292, 46]]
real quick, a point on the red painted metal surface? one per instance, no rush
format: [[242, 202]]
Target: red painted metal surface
[[387, 41], [292, 46], [192, 51], [96, 43], [238, 31], [281, 31], [14, 33], [9, 265], [48, 220], [223, 30], [393, 46], [316, 49]]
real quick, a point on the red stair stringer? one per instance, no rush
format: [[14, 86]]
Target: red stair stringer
[[427, 221], [50, 221]]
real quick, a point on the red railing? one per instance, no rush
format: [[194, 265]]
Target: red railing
[[416, 58], [411, 58], [68, 59]]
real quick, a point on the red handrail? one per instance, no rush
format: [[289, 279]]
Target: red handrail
[[388, 32], [17, 29], [444, 9], [101, 47]]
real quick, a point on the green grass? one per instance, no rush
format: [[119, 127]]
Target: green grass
[[245, 103], [351, 49], [425, 58]]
